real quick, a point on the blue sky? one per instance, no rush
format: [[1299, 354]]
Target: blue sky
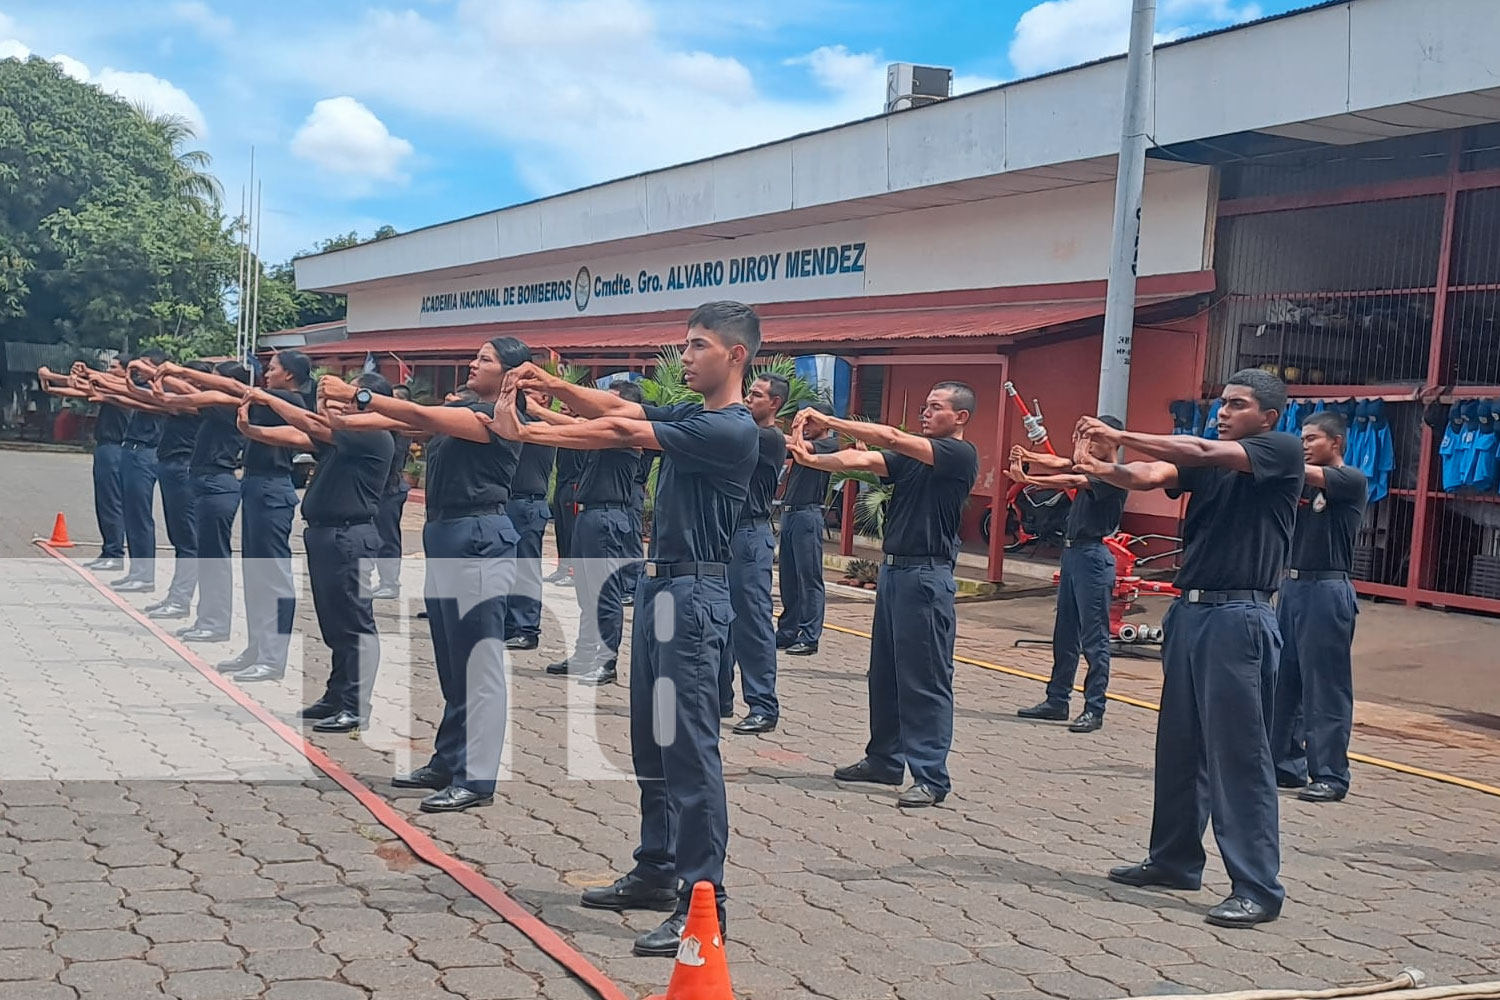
[[418, 111]]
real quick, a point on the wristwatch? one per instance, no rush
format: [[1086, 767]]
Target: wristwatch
[[362, 399]]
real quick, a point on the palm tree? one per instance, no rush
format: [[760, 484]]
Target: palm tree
[[193, 180]]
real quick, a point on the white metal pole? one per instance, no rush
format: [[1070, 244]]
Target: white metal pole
[[1119, 302], [239, 286], [255, 298]]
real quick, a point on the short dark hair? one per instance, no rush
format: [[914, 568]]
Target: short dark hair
[[962, 393], [511, 352], [234, 370], [123, 357], [296, 364], [198, 366], [155, 355], [1268, 390], [1330, 422], [403, 387], [628, 391], [732, 322], [1114, 422], [778, 385], [375, 382]]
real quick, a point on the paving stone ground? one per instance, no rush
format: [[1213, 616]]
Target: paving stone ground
[[833, 891]]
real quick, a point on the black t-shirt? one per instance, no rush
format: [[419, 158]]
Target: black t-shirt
[[400, 452], [609, 476], [178, 434], [217, 446], [112, 424], [570, 466], [1328, 519], [707, 459], [265, 459], [351, 475], [770, 460], [805, 485], [533, 470], [1096, 511], [144, 428], [1238, 531], [468, 474], [922, 515]]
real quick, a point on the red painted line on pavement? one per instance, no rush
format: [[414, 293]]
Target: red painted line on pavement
[[421, 845]]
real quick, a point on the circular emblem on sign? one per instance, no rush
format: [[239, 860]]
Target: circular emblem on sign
[[1320, 503], [582, 286]]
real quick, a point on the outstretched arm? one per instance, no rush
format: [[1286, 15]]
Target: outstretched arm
[[880, 436], [582, 401], [848, 460], [1137, 476], [280, 437], [454, 421], [309, 423], [1182, 450], [204, 380], [600, 434]]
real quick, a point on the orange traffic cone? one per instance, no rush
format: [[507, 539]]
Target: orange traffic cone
[[59, 539], [701, 972]]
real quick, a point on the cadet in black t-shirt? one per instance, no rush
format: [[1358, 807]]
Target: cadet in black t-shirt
[[911, 655], [392, 507], [341, 541], [470, 546], [1314, 706], [799, 628], [708, 454], [529, 513], [752, 639], [179, 504], [1085, 585], [605, 550], [1213, 758]]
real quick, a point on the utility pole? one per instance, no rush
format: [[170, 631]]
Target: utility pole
[[1119, 302]]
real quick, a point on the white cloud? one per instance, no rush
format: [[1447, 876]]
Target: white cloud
[[12, 49], [343, 137], [1059, 33], [576, 91], [199, 15]]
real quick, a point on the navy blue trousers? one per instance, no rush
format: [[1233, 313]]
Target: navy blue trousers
[[1213, 759], [606, 553], [388, 525], [1314, 704], [138, 485], [911, 674], [752, 640], [802, 589], [523, 612], [1082, 625], [218, 498], [471, 565], [109, 499], [266, 555], [674, 731], [179, 505], [338, 566]]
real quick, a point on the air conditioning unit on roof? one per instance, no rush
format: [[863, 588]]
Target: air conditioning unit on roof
[[910, 86]]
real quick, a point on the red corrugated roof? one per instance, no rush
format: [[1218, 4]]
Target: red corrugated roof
[[888, 325]]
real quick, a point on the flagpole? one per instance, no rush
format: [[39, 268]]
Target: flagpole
[[255, 311]]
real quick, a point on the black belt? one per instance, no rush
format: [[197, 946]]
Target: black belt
[[347, 523], [1317, 574], [603, 506], [476, 510], [802, 506], [1069, 543], [901, 562], [528, 496], [659, 570], [1226, 596]]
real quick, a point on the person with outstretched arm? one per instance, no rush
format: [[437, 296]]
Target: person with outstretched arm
[[1085, 584], [1314, 704], [683, 607], [1222, 643], [799, 628], [911, 654]]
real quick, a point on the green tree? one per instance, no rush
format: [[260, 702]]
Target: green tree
[[108, 231]]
